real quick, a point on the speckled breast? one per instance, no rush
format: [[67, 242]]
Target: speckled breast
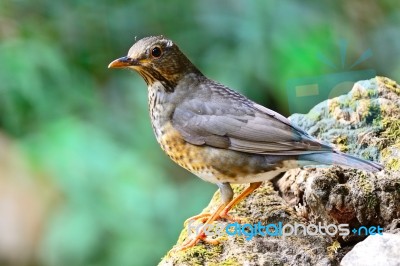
[[218, 165], [191, 157], [209, 163]]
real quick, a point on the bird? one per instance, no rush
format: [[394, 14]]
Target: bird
[[218, 134]]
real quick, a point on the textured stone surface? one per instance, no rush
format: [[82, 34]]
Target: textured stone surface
[[377, 250], [364, 122]]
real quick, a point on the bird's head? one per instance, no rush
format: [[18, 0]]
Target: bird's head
[[156, 58]]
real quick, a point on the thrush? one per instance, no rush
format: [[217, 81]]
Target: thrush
[[218, 134]]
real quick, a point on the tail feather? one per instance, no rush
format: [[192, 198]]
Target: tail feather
[[329, 158]]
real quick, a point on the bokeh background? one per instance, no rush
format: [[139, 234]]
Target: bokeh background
[[82, 179]]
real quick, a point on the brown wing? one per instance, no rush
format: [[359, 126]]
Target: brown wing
[[234, 122]]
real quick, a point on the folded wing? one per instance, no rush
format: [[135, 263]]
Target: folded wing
[[241, 125]]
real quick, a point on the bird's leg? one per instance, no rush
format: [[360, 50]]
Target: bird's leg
[[226, 196], [190, 242], [224, 213], [202, 217]]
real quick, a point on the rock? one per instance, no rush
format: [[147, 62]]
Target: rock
[[365, 122], [351, 196], [267, 207], [377, 250], [393, 227]]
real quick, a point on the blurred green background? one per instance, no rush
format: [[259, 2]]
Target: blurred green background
[[82, 179]]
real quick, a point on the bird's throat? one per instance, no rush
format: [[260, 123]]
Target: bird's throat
[[151, 76]]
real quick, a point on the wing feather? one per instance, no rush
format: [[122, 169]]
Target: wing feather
[[242, 125]]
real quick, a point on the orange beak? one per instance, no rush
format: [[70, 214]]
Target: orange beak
[[122, 62]]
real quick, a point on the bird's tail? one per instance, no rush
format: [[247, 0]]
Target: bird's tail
[[329, 158]]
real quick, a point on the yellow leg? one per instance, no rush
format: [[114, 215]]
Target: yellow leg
[[202, 217], [221, 212], [224, 213], [190, 242]]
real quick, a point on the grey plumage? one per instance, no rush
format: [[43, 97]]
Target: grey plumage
[[236, 123]]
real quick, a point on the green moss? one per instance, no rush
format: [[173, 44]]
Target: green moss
[[356, 95], [371, 200], [198, 255], [353, 102], [342, 143], [250, 256], [392, 129], [368, 187], [393, 164], [228, 262], [333, 249], [374, 114], [237, 189], [365, 184], [346, 102], [390, 84], [391, 134], [240, 240], [372, 93], [332, 105]]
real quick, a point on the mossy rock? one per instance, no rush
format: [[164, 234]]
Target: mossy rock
[[365, 122]]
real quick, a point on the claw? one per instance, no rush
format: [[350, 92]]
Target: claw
[[230, 218], [209, 218], [191, 242], [202, 217]]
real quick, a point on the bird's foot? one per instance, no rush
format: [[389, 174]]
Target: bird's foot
[[203, 217], [230, 218], [206, 219], [192, 241]]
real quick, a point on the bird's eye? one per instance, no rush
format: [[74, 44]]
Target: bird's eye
[[156, 52]]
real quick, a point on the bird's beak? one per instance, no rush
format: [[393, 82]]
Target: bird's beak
[[122, 62]]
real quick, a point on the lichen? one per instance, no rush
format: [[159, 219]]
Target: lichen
[[372, 93], [390, 156], [367, 186], [231, 261], [374, 114], [392, 130], [333, 104], [391, 136], [341, 143], [372, 201], [198, 255], [333, 249], [390, 84], [393, 164]]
